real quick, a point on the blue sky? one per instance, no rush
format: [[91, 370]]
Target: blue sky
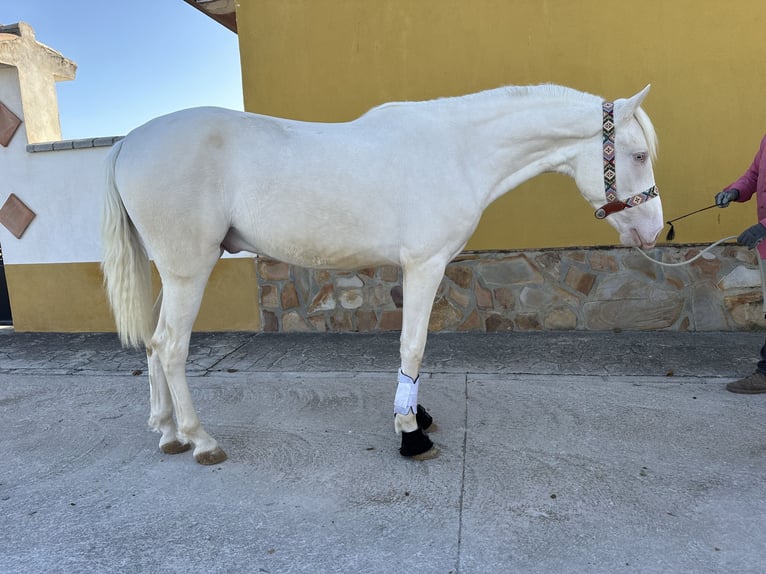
[[136, 60]]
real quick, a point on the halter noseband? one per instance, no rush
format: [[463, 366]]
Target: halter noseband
[[613, 204]]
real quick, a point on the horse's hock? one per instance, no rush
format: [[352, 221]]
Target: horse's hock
[[561, 289]]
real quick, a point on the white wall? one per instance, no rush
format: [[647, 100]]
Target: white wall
[[64, 188]]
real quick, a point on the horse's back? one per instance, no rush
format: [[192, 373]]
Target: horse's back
[[314, 194], [180, 140]]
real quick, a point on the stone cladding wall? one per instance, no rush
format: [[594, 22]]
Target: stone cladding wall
[[557, 289]]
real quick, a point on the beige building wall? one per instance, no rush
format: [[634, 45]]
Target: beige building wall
[[39, 68], [331, 60]]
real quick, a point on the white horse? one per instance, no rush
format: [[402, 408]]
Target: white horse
[[405, 184]]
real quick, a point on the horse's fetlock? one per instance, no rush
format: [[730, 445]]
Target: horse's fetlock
[[405, 423], [187, 431]]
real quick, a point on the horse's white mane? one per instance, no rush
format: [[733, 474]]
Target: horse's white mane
[[537, 91], [565, 93], [558, 92], [551, 91], [651, 136], [547, 91]]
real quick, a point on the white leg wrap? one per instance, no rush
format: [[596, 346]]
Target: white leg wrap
[[406, 400]]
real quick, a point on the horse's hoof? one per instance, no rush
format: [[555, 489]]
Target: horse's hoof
[[175, 447], [431, 453], [415, 444], [425, 420], [215, 456]]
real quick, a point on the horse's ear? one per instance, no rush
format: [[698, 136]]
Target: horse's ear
[[628, 106]]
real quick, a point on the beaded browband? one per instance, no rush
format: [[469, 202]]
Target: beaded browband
[[613, 204]]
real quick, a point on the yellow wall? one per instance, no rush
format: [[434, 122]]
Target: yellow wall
[[69, 297], [331, 60]]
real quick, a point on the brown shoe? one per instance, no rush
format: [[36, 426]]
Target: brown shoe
[[750, 385]]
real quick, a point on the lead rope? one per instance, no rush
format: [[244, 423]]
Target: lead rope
[[679, 264], [671, 235]]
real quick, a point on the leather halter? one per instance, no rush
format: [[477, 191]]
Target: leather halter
[[613, 204]]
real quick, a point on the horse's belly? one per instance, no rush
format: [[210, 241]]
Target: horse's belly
[[324, 254], [317, 250]]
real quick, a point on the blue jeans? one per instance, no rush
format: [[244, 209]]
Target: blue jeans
[[762, 363]]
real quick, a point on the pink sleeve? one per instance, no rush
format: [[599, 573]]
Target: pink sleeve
[[747, 183]]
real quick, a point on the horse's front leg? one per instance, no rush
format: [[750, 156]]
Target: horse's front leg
[[411, 420]]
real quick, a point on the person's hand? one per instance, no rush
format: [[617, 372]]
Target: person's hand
[[725, 197], [752, 235]]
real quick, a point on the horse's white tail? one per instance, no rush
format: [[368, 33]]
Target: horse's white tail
[[126, 267]]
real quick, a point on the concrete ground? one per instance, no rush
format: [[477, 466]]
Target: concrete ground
[[563, 452]]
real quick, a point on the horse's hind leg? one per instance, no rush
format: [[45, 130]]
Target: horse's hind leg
[[182, 297], [411, 420], [161, 403]]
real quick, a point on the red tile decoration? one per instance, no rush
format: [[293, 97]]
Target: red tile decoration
[[16, 216], [9, 123]]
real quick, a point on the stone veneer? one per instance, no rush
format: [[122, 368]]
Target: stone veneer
[[561, 289]]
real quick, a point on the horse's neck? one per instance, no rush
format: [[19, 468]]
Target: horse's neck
[[517, 139]]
